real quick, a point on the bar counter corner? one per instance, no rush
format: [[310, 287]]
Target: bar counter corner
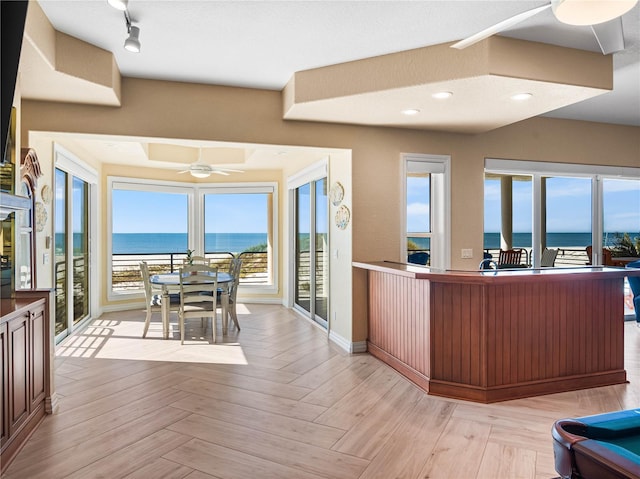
[[494, 335]]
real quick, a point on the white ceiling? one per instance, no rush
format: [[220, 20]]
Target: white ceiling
[[261, 44]]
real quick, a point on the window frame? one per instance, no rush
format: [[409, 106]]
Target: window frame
[[265, 187], [537, 170], [440, 206], [195, 222]]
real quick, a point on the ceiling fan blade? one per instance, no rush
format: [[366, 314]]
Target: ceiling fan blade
[[183, 171], [220, 172], [229, 170], [498, 27], [609, 36]]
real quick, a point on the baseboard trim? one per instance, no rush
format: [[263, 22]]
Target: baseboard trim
[[348, 346]]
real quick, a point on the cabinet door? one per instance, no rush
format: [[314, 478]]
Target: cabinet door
[[18, 336], [4, 377], [37, 332]]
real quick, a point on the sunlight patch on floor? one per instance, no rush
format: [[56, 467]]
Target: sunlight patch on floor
[[122, 339]]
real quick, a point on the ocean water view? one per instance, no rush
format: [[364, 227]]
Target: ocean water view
[[132, 243], [554, 240]]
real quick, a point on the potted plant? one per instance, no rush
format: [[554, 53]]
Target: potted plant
[[623, 245]]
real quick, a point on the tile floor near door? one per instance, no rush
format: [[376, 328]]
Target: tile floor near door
[[278, 400]]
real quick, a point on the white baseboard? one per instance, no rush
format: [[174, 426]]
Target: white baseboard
[[348, 346], [254, 300], [110, 308]]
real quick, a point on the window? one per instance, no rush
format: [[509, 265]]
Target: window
[[426, 219], [572, 207], [239, 222], [507, 213], [418, 213], [158, 221]]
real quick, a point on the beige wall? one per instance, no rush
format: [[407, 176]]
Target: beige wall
[[179, 110]]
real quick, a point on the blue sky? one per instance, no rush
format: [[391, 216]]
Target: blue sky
[[151, 212], [418, 211], [568, 205], [568, 208]]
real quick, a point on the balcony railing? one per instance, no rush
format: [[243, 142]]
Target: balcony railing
[[567, 257], [125, 268]]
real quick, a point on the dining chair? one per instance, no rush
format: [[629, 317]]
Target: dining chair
[[548, 258], [154, 301], [607, 260], [510, 257], [234, 270], [198, 298]]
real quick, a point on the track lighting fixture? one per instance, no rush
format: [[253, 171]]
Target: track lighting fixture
[[132, 43], [119, 4]]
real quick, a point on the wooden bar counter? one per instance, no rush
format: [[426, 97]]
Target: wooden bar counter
[[494, 335]]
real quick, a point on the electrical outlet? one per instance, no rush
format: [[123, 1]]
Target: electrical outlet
[[467, 253]]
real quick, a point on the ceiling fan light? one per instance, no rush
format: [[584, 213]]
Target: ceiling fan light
[[119, 4], [200, 174], [590, 12], [132, 43]]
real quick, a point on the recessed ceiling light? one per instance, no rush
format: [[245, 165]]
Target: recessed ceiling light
[[410, 111], [442, 95], [521, 96]]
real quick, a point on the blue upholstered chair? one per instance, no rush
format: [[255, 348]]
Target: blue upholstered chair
[[634, 282], [418, 258]]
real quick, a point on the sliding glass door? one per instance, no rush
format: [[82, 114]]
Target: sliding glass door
[[71, 257], [60, 255], [312, 250]]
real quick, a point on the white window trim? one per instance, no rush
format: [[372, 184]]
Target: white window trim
[[536, 169], [195, 221], [440, 168], [313, 172]]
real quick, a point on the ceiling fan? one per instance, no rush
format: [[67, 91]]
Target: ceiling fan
[[202, 170], [602, 15]]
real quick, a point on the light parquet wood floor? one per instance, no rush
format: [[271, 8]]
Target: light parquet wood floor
[[278, 400]]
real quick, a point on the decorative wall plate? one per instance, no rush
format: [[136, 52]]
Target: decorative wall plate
[[41, 216], [343, 215], [336, 194], [45, 193]]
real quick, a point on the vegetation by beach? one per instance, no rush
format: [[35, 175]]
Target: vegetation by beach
[[624, 246]]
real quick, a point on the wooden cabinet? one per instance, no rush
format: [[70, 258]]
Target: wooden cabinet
[[4, 376], [37, 356], [18, 371], [25, 335]]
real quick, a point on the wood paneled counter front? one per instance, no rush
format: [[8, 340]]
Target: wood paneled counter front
[[494, 335]]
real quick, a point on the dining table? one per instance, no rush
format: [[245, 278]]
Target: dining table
[[170, 283]]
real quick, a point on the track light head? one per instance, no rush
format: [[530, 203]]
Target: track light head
[[132, 43], [119, 4]]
